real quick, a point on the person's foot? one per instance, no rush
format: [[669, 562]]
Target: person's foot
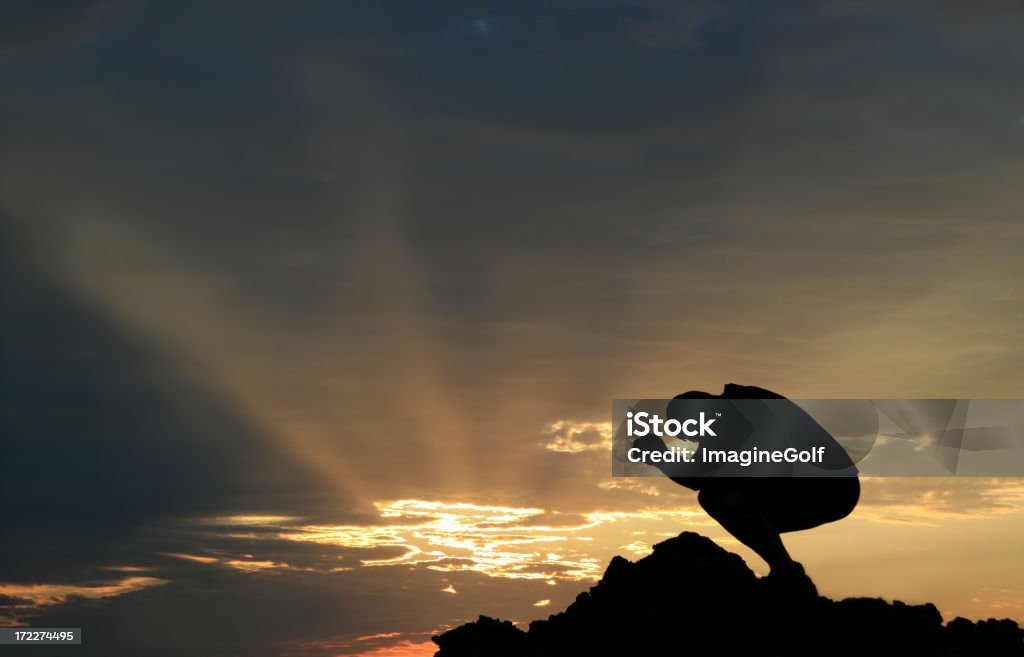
[[791, 581]]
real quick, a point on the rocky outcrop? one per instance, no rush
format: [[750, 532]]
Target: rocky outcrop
[[691, 597]]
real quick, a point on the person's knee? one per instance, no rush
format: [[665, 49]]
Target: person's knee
[[845, 500], [707, 499]]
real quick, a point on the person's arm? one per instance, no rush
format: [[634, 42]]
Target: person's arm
[[679, 472]]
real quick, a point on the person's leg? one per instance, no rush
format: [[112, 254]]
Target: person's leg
[[740, 517], [799, 503], [738, 510]]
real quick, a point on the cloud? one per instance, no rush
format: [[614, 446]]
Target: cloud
[[28, 26], [11, 601], [571, 437], [934, 500], [50, 594], [113, 439], [19, 603]]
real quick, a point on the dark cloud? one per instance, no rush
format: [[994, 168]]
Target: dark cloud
[[11, 601], [27, 25], [104, 437]]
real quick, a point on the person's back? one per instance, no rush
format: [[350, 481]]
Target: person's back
[[756, 509]]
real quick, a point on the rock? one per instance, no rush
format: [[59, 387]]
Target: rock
[[691, 597], [485, 637]]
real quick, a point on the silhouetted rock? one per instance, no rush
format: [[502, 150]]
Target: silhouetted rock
[[691, 597], [486, 636]]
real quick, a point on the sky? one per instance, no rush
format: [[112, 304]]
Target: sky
[[312, 314]]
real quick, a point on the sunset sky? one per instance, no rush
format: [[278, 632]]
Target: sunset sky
[[312, 313]]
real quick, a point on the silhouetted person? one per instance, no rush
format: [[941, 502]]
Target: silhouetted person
[[757, 509]]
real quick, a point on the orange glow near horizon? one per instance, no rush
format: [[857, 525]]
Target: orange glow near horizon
[[382, 644]]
